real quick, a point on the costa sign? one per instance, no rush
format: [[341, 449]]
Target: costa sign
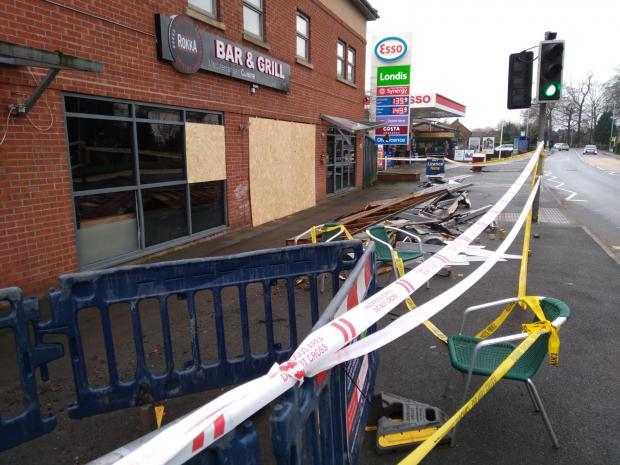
[[390, 49]]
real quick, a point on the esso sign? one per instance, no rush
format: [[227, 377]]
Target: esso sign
[[390, 49], [421, 99]]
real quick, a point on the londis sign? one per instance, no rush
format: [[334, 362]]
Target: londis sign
[[179, 41], [390, 49]]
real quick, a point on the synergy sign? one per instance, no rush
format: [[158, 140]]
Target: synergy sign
[[391, 79]]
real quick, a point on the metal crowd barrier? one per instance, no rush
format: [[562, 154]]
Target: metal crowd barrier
[[302, 417]]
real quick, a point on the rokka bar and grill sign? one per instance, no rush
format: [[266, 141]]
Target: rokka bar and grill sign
[[185, 44], [190, 49]]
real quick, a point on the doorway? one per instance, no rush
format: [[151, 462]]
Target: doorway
[[340, 161]]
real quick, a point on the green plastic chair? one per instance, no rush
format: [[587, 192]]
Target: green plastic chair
[[383, 247], [476, 356]]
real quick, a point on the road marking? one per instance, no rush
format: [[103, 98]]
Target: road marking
[[559, 185]]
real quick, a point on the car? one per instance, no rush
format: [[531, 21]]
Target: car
[[590, 149], [504, 148], [561, 146]]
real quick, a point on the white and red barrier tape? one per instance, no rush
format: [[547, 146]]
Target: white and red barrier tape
[[320, 350]]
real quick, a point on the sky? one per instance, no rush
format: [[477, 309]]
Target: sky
[[460, 48]]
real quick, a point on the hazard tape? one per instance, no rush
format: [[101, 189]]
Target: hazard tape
[[435, 331], [495, 161], [316, 353]]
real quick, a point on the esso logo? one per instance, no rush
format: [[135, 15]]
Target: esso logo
[[390, 49], [421, 99]]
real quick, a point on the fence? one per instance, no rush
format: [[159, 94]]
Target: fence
[[167, 290]]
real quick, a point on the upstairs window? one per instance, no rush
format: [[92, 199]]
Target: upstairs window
[[340, 59], [303, 36], [253, 17], [206, 7], [345, 61]]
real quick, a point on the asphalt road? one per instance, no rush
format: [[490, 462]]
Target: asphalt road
[[588, 187]]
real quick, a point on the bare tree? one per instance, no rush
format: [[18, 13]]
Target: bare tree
[[594, 104], [579, 95], [565, 113]]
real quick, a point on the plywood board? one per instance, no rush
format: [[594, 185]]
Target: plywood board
[[282, 159], [205, 149]]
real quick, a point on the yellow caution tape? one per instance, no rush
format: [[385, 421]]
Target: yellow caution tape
[[491, 328], [159, 414], [525, 251], [400, 267], [313, 234], [554, 339], [340, 227], [423, 449]]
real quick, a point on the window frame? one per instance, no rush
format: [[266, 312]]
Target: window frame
[[341, 59], [138, 186], [306, 38], [202, 11], [261, 18], [345, 63]]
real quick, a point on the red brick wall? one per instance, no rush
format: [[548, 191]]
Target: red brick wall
[[37, 237]]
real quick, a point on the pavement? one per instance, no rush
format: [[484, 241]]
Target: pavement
[[581, 396]]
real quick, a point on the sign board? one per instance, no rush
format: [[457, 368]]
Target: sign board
[[390, 87], [474, 144], [435, 166], [488, 145], [189, 49], [463, 155]]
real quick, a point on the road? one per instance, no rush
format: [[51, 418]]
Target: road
[[588, 186]]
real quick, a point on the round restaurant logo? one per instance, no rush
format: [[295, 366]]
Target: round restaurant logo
[[390, 49], [185, 44]]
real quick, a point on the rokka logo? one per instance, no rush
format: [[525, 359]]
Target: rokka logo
[[390, 49]]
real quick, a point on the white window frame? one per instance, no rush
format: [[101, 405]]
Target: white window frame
[[305, 38], [195, 5], [341, 59], [261, 18]]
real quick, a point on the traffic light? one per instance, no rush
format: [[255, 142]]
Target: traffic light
[[520, 80], [550, 65]]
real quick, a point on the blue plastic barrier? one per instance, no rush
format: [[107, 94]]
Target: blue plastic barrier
[[320, 422], [29, 422], [324, 419], [131, 285]]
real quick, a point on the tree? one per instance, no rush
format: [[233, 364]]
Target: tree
[[603, 128], [579, 95], [594, 102]]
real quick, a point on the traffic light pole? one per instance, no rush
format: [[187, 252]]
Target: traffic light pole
[[542, 113]]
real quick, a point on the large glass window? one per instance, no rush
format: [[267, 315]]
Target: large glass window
[[106, 225], [160, 149], [165, 213], [340, 48], [303, 36], [129, 178], [253, 17], [101, 153]]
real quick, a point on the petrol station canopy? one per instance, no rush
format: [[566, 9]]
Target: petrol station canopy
[[432, 105]]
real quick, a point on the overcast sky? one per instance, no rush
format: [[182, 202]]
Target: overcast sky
[[460, 47]]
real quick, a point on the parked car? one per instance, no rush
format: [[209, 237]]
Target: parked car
[[561, 146], [590, 149], [504, 148]]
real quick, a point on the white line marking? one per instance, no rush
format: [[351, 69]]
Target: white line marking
[[559, 185]]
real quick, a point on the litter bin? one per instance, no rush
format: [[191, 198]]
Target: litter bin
[[478, 158]]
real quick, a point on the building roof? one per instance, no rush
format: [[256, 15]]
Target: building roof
[[366, 9]]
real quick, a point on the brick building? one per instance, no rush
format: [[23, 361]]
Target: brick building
[[176, 120]]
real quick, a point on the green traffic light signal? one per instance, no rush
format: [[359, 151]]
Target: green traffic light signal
[[551, 89], [550, 66]]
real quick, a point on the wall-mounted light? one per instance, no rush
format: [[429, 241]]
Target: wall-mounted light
[[244, 126], [253, 88]]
